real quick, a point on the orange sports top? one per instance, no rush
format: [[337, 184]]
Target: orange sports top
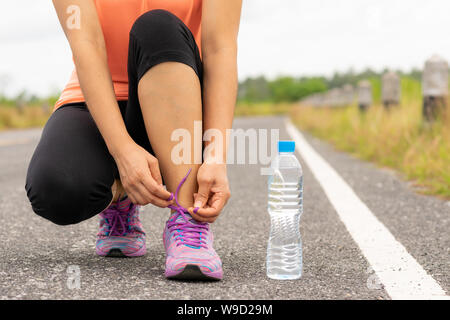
[[116, 18]]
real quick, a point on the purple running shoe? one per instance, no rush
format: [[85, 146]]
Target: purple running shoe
[[121, 233], [189, 246]]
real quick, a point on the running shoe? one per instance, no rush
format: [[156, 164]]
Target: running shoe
[[121, 233], [189, 246]]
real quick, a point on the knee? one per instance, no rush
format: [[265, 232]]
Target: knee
[[155, 20], [157, 25], [53, 195]]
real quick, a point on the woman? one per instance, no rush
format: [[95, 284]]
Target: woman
[[144, 68]]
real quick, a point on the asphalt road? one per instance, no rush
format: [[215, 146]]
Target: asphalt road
[[36, 255]]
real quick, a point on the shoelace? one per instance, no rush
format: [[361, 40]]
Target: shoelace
[[189, 233], [117, 219]]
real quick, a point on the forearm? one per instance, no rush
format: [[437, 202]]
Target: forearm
[[219, 92], [89, 52], [96, 84]]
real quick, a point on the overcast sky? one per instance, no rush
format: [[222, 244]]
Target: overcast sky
[[290, 37]]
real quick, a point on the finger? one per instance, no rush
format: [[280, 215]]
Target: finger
[[204, 188], [214, 209], [139, 194], [148, 197], [155, 189], [157, 201], [210, 201], [201, 218], [139, 200], [207, 220], [131, 197], [153, 164], [130, 193]]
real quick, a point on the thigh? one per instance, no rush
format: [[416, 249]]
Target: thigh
[[71, 172]]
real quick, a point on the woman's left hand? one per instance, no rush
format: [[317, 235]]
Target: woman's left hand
[[213, 192]]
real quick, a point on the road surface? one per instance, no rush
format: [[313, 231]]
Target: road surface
[[38, 258]]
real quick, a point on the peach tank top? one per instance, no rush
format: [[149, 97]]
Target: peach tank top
[[116, 18]]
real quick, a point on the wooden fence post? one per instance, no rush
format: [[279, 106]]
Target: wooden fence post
[[20, 105], [434, 87], [364, 95], [348, 94], [390, 89], [45, 106]]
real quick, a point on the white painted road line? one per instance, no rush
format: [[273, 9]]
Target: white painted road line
[[402, 276]]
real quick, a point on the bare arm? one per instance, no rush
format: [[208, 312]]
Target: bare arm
[[220, 25], [139, 170], [89, 53]]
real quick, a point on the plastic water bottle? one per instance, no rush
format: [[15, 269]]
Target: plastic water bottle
[[285, 206]]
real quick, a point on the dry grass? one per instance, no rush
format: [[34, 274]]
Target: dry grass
[[31, 116], [35, 116], [261, 109], [397, 139]]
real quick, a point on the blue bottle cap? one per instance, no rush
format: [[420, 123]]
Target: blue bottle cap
[[286, 146]]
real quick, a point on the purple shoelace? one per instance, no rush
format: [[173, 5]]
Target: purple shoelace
[[117, 218], [189, 232]]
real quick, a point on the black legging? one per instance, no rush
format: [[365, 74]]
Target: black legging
[[71, 172]]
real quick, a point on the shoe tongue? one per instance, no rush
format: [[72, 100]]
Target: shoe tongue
[[124, 204], [189, 218], [122, 207], [180, 218]]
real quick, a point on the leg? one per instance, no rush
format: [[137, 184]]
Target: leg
[[165, 94], [170, 99], [71, 173], [165, 90]]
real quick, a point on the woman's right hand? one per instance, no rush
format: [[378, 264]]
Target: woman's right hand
[[140, 175]]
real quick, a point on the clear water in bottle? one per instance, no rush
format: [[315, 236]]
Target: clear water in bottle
[[285, 206]]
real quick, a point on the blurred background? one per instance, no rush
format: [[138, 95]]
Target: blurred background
[[351, 72]]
